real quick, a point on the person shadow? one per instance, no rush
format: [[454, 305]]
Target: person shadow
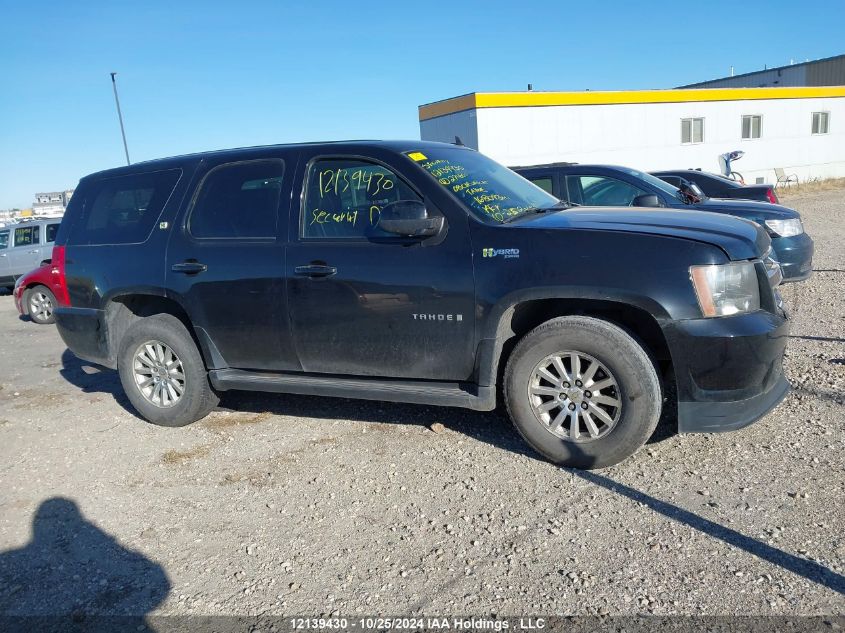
[[72, 576]]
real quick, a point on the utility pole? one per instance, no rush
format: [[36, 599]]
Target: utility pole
[[120, 117]]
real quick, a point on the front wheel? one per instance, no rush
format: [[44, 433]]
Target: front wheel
[[162, 372], [582, 392], [39, 302]]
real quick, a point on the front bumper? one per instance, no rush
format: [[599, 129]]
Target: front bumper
[[18, 294], [728, 370], [795, 255]]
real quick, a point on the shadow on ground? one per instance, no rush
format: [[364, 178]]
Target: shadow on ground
[[74, 570]]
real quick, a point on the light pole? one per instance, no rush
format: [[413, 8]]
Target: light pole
[[120, 117]]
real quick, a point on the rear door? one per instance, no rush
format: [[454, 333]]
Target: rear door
[[25, 252], [226, 261], [364, 302]]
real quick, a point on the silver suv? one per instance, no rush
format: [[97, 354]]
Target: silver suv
[[23, 246]]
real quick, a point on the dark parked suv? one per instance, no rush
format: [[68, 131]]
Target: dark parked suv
[[417, 272]]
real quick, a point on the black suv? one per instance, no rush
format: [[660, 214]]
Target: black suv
[[610, 185], [417, 272]]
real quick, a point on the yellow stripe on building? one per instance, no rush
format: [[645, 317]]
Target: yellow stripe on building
[[478, 100]]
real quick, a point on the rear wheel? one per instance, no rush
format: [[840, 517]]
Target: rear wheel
[[39, 302], [582, 392], [163, 373]]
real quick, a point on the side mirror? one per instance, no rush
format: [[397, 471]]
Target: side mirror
[[409, 218], [646, 200]]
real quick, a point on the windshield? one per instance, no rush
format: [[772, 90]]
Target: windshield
[[489, 189], [654, 181]]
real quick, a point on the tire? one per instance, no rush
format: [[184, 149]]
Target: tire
[[40, 302], [623, 365], [166, 335]]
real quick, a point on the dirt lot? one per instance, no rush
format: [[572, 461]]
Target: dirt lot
[[305, 505]]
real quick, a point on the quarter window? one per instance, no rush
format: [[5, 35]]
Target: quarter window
[[821, 122], [239, 200], [122, 210], [752, 125], [601, 191], [692, 131], [344, 198], [27, 235], [52, 229], [4, 239]]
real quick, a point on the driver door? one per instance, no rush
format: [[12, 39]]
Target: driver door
[[364, 302]]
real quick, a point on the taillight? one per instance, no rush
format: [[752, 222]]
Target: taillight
[[770, 194], [57, 273]]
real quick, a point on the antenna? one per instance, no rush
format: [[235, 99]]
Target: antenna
[[120, 117], [458, 141]]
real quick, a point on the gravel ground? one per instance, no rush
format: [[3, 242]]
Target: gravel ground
[[304, 505]]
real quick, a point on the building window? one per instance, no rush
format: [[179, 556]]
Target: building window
[[821, 122], [692, 131], [752, 124]]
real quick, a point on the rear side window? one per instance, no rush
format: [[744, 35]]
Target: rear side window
[[27, 235], [239, 200], [123, 210], [52, 229]]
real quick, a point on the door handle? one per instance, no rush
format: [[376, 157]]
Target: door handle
[[33, 252], [189, 268], [315, 270]]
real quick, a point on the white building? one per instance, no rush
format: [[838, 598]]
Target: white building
[[51, 203], [801, 129]]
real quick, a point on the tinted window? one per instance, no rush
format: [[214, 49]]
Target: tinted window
[[27, 235], [603, 191], [544, 183], [122, 210], [672, 180], [4, 239], [344, 198], [52, 229], [240, 200]]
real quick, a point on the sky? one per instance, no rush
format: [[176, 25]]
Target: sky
[[195, 76]]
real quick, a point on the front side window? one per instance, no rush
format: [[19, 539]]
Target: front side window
[[238, 201], [344, 198], [27, 235], [602, 191], [4, 239], [490, 190], [122, 210], [752, 125], [821, 122], [692, 131]]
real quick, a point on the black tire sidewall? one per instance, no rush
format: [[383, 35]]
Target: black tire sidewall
[[630, 365], [198, 398]]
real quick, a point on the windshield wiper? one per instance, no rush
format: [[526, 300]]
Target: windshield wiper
[[560, 206]]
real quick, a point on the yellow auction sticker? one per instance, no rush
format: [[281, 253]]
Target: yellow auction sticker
[[417, 156]]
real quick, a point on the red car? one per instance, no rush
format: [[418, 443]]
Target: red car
[[35, 293]]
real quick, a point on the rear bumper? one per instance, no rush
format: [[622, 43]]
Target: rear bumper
[[728, 370], [795, 255], [83, 331]]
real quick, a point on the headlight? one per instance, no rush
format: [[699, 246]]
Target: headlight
[[726, 289], [785, 228]]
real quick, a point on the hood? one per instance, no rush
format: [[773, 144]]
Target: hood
[[750, 209], [738, 238]]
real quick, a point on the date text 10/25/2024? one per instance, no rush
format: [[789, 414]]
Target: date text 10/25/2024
[[419, 624]]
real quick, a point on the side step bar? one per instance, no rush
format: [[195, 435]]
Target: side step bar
[[444, 394]]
